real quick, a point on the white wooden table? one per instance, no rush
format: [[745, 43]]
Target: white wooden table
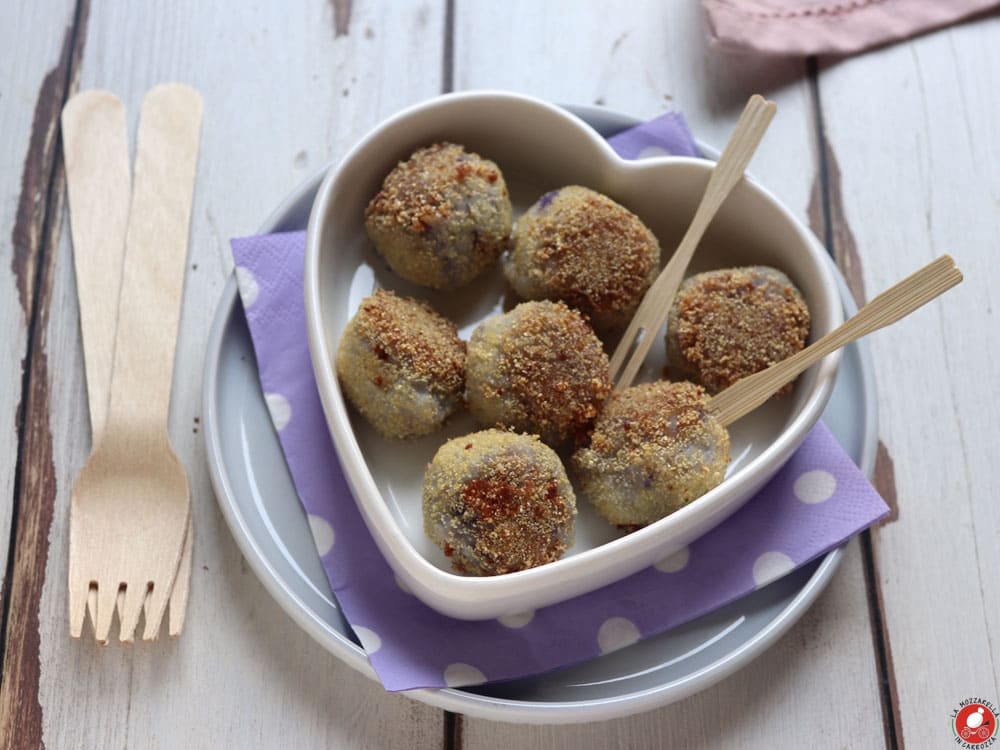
[[892, 157]]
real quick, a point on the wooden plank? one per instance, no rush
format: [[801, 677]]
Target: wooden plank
[[643, 62], [35, 36], [913, 130], [39, 39], [285, 90]]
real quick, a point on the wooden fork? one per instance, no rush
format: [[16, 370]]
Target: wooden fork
[[131, 502], [98, 177], [895, 303], [655, 306]]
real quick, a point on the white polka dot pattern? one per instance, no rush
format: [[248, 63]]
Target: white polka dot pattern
[[322, 533], [616, 633], [815, 486], [368, 637], [649, 151], [771, 566], [458, 674], [281, 410], [674, 562], [247, 285], [518, 620]]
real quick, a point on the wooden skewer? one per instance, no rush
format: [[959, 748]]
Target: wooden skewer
[[655, 306], [890, 306]]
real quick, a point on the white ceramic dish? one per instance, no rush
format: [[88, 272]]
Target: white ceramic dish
[[259, 504], [540, 147]]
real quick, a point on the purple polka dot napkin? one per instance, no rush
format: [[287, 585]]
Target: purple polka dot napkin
[[816, 502]]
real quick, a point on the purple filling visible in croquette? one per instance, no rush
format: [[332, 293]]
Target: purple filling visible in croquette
[[441, 217], [546, 199]]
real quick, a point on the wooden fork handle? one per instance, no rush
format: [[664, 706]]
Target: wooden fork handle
[[155, 258], [895, 303], [98, 178]]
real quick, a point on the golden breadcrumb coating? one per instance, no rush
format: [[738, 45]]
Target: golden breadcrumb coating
[[402, 365], [539, 368], [442, 217], [725, 325], [580, 246], [497, 502], [654, 449]]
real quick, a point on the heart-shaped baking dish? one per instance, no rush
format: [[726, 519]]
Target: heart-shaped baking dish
[[540, 147]]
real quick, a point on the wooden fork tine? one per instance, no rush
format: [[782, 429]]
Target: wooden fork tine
[[156, 605], [129, 609], [182, 584], [81, 598], [643, 315], [92, 607], [107, 596]]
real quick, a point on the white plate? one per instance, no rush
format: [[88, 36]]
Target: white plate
[[540, 147], [259, 503]]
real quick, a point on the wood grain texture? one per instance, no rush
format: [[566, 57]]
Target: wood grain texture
[[644, 62], [913, 128], [282, 95], [20, 709], [32, 242], [35, 36]]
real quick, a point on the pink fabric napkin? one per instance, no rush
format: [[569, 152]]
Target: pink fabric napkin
[[819, 27]]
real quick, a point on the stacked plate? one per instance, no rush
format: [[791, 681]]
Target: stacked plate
[[259, 502]]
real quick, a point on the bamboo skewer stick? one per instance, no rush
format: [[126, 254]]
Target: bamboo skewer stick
[[890, 306], [655, 306]]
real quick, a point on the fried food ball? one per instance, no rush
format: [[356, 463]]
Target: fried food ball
[[581, 247], [539, 368], [725, 325], [654, 449], [497, 502], [402, 365], [442, 217]]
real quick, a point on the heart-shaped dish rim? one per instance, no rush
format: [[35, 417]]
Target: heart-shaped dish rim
[[474, 598]]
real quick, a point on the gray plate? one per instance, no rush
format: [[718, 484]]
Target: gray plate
[[258, 500]]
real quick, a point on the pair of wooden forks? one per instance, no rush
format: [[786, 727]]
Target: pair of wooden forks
[[130, 515]]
